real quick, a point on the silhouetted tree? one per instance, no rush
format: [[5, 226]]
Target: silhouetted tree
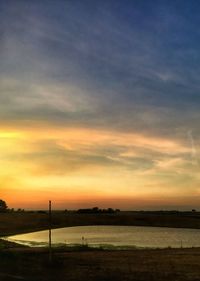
[[3, 206], [96, 210]]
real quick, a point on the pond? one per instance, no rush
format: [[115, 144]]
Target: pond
[[138, 236]]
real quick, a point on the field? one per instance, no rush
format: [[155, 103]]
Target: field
[[20, 222], [21, 263]]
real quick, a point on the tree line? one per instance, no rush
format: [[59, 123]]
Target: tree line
[[96, 210]]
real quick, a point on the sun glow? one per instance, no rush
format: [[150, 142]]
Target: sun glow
[[79, 164]]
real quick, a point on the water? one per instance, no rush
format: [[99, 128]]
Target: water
[[138, 236]]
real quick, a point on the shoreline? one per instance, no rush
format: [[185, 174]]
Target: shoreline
[[79, 247]]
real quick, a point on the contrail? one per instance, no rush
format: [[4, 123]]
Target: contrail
[[193, 149]]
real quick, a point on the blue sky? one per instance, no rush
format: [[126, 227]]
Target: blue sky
[[133, 54]]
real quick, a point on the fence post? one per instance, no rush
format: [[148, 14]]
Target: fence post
[[50, 248]]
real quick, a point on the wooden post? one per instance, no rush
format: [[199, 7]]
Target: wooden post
[[50, 248]]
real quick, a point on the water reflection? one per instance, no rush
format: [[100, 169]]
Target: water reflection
[[153, 237]]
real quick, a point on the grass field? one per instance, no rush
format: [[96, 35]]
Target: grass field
[[32, 264], [20, 222], [158, 265]]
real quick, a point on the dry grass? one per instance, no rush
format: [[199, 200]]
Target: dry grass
[[140, 265]]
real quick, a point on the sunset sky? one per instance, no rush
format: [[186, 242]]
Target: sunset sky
[[100, 104]]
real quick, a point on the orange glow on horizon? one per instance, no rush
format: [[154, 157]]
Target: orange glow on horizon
[[84, 165]]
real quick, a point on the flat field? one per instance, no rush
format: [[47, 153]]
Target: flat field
[[88, 265], [21, 222], [32, 264]]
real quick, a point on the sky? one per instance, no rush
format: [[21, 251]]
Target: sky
[[99, 104]]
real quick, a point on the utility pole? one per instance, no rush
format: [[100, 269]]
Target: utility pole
[[50, 248]]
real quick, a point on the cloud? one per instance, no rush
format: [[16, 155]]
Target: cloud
[[58, 151]]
